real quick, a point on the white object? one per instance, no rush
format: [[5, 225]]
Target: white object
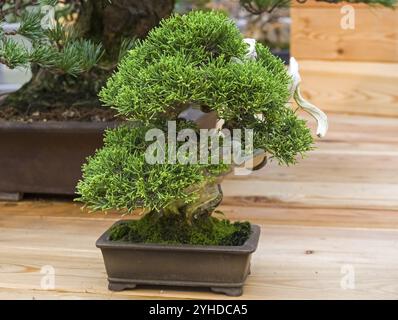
[[251, 52], [10, 27], [294, 74], [293, 71], [220, 124], [315, 112]]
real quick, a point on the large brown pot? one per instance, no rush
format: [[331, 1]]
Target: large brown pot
[[45, 158]]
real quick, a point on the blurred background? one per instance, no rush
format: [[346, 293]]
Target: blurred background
[[344, 67], [270, 29]]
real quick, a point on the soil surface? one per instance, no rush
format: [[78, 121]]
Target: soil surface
[[57, 112], [176, 229]]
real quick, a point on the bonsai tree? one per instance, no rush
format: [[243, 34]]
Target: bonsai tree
[[200, 62], [75, 45]]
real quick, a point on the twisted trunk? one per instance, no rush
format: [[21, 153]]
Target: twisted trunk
[[210, 197]]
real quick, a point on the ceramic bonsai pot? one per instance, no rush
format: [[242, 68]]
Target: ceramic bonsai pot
[[222, 269], [45, 157]]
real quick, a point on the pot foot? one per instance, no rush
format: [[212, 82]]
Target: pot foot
[[117, 287], [231, 292], [11, 196]]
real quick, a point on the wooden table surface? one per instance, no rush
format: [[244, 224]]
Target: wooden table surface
[[329, 228]]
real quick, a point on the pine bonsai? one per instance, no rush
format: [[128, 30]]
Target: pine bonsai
[[198, 61], [75, 46]]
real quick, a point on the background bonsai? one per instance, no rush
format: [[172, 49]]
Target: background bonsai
[[74, 50], [198, 60]]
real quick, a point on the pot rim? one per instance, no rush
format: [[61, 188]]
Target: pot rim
[[250, 245], [56, 126]]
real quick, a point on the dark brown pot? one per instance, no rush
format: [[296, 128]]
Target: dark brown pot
[[222, 269], [45, 157]]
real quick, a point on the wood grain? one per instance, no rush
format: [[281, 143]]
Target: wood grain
[[336, 209], [292, 262], [351, 71], [351, 87], [317, 33]]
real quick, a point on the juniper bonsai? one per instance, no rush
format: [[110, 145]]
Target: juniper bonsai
[[200, 61]]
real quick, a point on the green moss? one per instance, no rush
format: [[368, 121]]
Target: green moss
[[175, 229]]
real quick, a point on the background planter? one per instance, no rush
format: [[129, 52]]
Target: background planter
[[222, 269], [45, 157]]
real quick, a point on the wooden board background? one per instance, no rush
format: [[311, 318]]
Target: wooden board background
[[348, 71], [317, 34]]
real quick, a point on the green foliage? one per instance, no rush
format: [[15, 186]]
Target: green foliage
[[12, 54], [125, 46], [44, 56], [175, 229], [30, 25], [199, 36], [119, 177], [285, 137], [262, 6], [78, 56], [54, 45], [191, 60]]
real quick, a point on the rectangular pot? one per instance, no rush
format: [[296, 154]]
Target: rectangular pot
[[45, 157], [222, 269]]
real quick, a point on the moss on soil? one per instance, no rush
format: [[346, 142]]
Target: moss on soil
[[174, 229]]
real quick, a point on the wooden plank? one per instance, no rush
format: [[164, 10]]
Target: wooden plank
[[292, 262], [351, 87], [324, 4], [317, 33], [336, 210], [320, 194], [268, 213], [353, 168]]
